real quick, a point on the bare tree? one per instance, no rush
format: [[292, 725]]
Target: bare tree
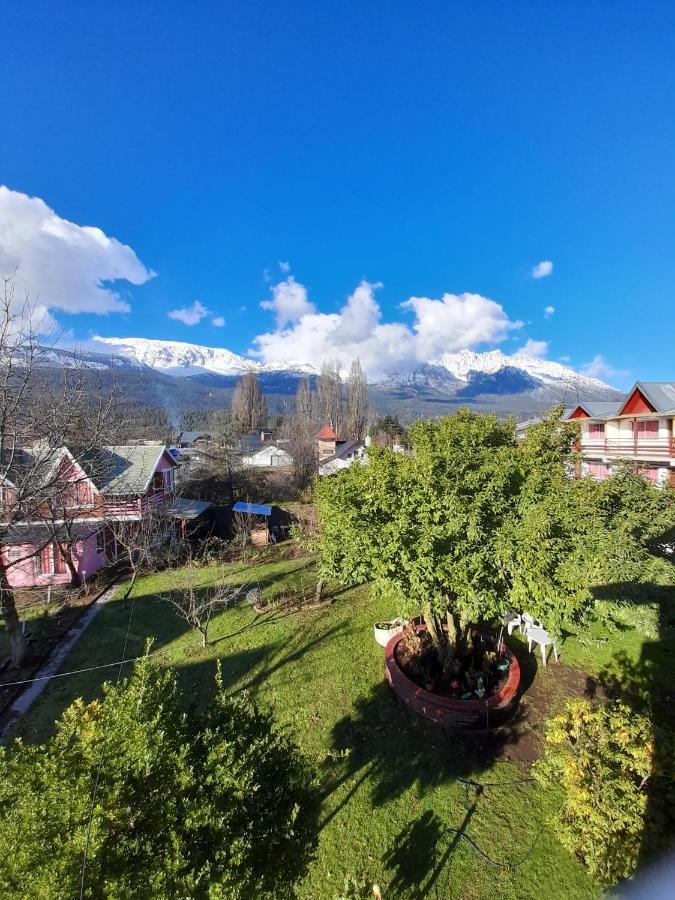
[[242, 529], [141, 543], [249, 408], [40, 413], [330, 394], [197, 604], [305, 402], [357, 402]]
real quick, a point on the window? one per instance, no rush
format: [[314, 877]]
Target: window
[[100, 540], [596, 430], [651, 473], [158, 481], [647, 429], [598, 471], [14, 553]]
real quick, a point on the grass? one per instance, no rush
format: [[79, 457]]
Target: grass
[[389, 779]]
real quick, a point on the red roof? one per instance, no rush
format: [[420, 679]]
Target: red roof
[[327, 434]]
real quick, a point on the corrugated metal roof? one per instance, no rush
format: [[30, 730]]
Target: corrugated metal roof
[[127, 469], [253, 509], [661, 394], [183, 508]]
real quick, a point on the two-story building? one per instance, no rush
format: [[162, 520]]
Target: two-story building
[[640, 428], [72, 533]]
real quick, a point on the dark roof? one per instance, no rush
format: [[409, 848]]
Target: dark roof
[[252, 509], [189, 437], [183, 508], [34, 533], [343, 449]]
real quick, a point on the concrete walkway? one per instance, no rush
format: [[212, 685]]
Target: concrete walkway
[[27, 697]]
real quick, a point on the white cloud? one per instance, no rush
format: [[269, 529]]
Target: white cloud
[[190, 315], [218, 321], [63, 266], [549, 311], [542, 269], [440, 326], [457, 321], [539, 349], [289, 302], [564, 359], [598, 367], [284, 267]]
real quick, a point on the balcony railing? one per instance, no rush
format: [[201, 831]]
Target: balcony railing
[[629, 447]]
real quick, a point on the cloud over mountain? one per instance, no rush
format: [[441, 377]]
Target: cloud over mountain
[[304, 335], [63, 266]]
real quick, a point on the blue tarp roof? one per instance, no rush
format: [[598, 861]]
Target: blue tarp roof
[[254, 509]]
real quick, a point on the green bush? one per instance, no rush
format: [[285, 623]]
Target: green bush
[[613, 769], [215, 804]]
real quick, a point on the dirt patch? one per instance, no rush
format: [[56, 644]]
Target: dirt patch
[[521, 740]]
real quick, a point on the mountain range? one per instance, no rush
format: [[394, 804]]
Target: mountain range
[[176, 374]]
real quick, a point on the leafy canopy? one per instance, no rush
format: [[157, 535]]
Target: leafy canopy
[[215, 804], [473, 521]]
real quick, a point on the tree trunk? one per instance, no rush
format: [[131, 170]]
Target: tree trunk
[[319, 591], [435, 632], [17, 642], [202, 631], [68, 560], [130, 588]]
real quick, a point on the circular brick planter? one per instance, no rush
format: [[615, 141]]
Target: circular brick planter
[[449, 711]]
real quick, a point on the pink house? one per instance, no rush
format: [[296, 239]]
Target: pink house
[[119, 485]]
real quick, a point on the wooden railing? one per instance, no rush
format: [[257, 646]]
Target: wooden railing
[[630, 447]]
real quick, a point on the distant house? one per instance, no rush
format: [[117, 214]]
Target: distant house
[[336, 454], [269, 456], [639, 429], [118, 484], [189, 439]]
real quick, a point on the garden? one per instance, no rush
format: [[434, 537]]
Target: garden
[[568, 792]]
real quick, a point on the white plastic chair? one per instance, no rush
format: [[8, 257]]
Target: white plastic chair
[[538, 635], [528, 622], [512, 620]]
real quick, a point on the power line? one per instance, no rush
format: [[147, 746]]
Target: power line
[[100, 762], [120, 662]]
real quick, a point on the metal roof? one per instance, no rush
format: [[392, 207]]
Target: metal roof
[[128, 469], [661, 394], [183, 508], [252, 509], [344, 448], [188, 437]]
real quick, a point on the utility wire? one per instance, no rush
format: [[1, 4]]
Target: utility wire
[[100, 762], [120, 662]]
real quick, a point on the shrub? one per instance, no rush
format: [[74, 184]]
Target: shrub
[[214, 804], [609, 762]]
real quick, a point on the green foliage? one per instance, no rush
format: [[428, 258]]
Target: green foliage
[[612, 766], [217, 804], [473, 522]]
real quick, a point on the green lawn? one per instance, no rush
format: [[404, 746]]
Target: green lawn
[[389, 779]]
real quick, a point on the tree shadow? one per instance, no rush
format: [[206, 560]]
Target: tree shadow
[[647, 685]]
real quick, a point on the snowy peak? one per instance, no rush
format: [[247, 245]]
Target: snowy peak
[[465, 364], [181, 358]]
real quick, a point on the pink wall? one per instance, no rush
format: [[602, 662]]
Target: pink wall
[[24, 574]]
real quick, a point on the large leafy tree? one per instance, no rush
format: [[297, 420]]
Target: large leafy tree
[[472, 522], [424, 527], [210, 804]]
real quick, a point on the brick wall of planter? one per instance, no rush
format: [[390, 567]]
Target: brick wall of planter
[[448, 711]]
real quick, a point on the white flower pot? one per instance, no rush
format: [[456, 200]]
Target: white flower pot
[[385, 631]]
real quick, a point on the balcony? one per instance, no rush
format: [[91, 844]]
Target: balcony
[[629, 448]]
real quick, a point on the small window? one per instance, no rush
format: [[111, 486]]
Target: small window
[[596, 429], [647, 429], [158, 481], [14, 553], [651, 473]]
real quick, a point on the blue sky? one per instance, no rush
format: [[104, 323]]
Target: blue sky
[[437, 149]]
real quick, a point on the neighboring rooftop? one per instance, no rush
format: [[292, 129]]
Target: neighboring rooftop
[[327, 434]]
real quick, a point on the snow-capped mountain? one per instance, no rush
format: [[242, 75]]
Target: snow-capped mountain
[[180, 358], [517, 383]]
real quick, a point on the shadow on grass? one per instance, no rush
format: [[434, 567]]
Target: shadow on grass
[[647, 685]]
